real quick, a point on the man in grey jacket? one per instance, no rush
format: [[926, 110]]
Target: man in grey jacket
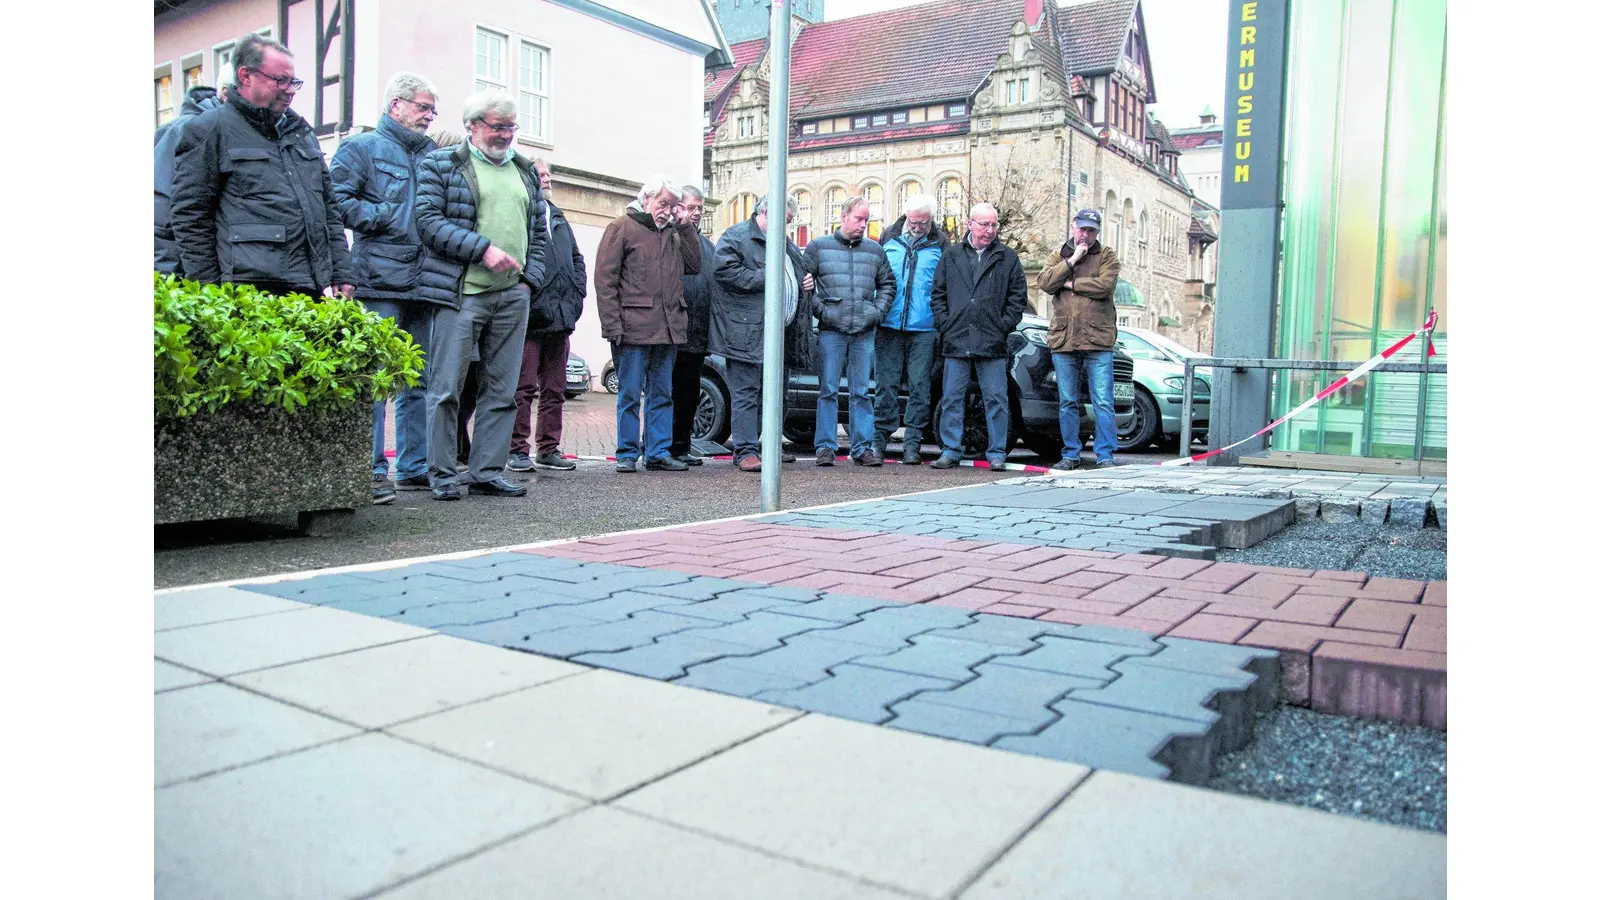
[[854, 289]]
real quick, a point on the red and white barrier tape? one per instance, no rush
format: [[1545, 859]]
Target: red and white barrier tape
[[1351, 376]]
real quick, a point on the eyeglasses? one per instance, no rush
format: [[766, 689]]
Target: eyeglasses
[[284, 82], [428, 108], [509, 128]]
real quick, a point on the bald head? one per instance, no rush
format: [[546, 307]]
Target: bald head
[[983, 222]]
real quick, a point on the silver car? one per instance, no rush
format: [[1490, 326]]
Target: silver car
[[1158, 390]]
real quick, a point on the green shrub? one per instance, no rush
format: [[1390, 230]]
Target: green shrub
[[220, 344]]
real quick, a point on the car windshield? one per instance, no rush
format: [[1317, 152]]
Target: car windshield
[[1167, 344]]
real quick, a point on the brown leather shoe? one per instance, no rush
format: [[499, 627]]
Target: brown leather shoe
[[869, 458], [749, 464]]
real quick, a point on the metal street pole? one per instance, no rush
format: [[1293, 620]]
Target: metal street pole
[[772, 380]]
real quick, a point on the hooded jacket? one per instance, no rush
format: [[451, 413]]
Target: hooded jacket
[[252, 202], [1085, 317], [447, 218], [375, 181], [913, 265], [199, 99], [854, 283]]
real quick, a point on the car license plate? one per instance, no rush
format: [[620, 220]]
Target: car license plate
[[1121, 391]]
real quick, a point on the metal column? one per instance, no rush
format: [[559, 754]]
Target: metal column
[[772, 380]]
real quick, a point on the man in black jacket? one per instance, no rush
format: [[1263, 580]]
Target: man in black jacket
[[979, 296], [698, 291], [553, 315], [199, 99], [252, 202], [375, 180]]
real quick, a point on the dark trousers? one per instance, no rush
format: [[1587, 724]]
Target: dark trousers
[[469, 403], [685, 398], [544, 375]]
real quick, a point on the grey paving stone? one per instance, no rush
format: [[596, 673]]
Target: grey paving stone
[[1011, 692], [215, 726], [1004, 494], [1132, 502], [1307, 507], [782, 592], [1408, 511], [511, 632], [1066, 656], [805, 658], [440, 615], [317, 592], [634, 631], [206, 605], [1170, 692], [854, 692], [955, 723], [1007, 630], [938, 657], [841, 608], [1207, 656], [760, 630], [669, 657], [1440, 510], [1126, 637], [730, 609], [1374, 511], [1340, 510], [539, 592], [697, 588], [1240, 521], [1138, 743], [724, 677], [618, 606], [893, 628]]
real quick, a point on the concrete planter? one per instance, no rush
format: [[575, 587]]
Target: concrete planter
[[248, 460]]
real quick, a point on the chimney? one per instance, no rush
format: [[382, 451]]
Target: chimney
[[1032, 11]]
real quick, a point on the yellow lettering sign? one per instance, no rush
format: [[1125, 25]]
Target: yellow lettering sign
[[1245, 106], [1241, 150], [1247, 12], [1247, 58], [1247, 80], [1241, 174], [1247, 34], [1243, 129]]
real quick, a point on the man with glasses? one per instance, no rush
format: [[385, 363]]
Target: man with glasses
[[252, 202], [375, 181], [906, 339], [481, 214]]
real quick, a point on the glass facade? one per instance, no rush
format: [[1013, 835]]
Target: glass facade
[[1364, 222]]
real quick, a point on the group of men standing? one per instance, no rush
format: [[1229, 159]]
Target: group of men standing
[[456, 240]]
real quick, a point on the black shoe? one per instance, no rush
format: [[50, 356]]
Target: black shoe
[[788, 457], [869, 457], [1105, 464], [945, 461], [691, 459], [447, 492], [382, 490], [554, 461], [414, 483], [997, 465], [912, 455], [519, 462], [627, 465], [825, 457], [665, 464], [497, 488]]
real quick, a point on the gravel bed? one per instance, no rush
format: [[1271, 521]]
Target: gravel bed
[[1354, 767], [1384, 551]]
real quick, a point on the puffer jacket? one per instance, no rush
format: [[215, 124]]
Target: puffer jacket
[[913, 266], [1084, 318], [638, 279], [699, 294], [252, 202], [558, 304], [199, 99], [375, 180], [739, 313], [447, 214], [978, 301], [854, 282]]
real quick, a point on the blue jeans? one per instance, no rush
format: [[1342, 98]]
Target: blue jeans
[[836, 349], [1098, 365], [644, 372], [953, 404], [411, 404], [908, 354]]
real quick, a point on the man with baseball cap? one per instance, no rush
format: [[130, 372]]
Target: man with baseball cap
[[1081, 279]]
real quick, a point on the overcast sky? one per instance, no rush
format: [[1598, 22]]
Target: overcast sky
[[1188, 47]]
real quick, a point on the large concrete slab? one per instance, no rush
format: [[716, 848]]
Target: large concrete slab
[[170, 677], [343, 820], [199, 607], [916, 812], [597, 734], [1118, 837], [216, 726], [604, 852], [383, 685], [242, 645]]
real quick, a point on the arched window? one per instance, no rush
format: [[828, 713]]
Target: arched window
[[741, 207], [834, 211], [951, 200], [1144, 237], [802, 217], [874, 195], [1126, 251], [908, 189], [1112, 231]]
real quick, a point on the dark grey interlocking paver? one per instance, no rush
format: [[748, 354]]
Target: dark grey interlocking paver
[[618, 606], [805, 658], [967, 725], [1170, 692], [839, 608], [542, 592], [854, 692], [1206, 656], [1011, 692], [1240, 521], [666, 658], [383, 606], [1122, 740], [782, 592], [1111, 634], [1004, 494], [316, 591], [634, 631], [511, 632], [938, 657], [1132, 502], [1008, 631], [732, 608], [1067, 656], [892, 628], [760, 630], [698, 587], [441, 614], [725, 678]]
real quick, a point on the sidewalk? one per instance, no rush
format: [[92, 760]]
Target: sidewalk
[[942, 698]]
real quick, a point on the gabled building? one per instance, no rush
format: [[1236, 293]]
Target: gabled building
[[1036, 106], [1201, 162]]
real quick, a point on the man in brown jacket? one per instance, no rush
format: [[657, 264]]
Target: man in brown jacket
[[1081, 279], [638, 285]]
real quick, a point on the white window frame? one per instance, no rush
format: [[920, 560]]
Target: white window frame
[[808, 128], [483, 82], [1022, 89], [1011, 92], [526, 133], [165, 70], [899, 118], [220, 75], [511, 80], [880, 120]]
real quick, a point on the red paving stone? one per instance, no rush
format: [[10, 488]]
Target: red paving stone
[[1348, 643]]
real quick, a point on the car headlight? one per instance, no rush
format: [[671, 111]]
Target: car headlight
[[1176, 383], [1040, 336]]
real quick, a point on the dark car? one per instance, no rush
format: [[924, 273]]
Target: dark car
[[1034, 400]]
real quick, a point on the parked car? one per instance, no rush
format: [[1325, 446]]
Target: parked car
[[577, 376], [608, 376], [1034, 401], [1158, 390]]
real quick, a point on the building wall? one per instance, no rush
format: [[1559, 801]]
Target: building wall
[[1202, 167]]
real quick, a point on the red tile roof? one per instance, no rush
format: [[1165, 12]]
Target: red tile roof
[[1194, 139], [744, 53], [848, 138], [1091, 35]]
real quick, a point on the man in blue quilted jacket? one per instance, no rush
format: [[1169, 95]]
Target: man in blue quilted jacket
[[375, 182], [906, 339], [481, 214]]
